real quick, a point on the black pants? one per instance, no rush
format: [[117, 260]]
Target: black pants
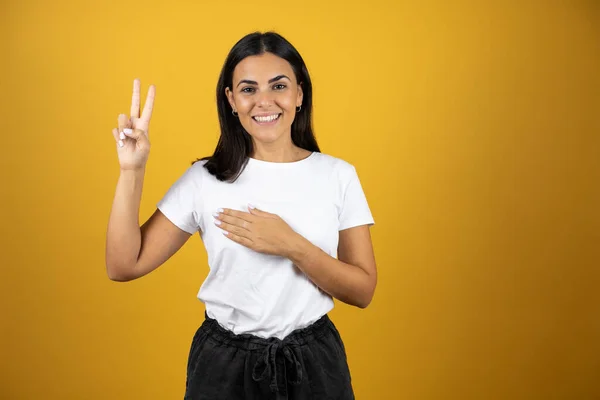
[[309, 363]]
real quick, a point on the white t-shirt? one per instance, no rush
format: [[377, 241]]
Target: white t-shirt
[[250, 292]]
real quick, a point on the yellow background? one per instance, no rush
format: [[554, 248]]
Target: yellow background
[[475, 131]]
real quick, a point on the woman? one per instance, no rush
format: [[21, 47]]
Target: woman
[[286, 229]]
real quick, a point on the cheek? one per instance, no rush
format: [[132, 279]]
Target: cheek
[[288, 102], [244, 105]]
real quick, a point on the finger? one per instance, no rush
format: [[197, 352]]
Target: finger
[[135, 99], [237, 214], [231, 228], [149, 105], [255, 211], [123, 122], [239, 239], [115, 133], [238, 222]]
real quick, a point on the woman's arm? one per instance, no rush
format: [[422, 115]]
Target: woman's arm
[[133, 251], [352, 277]]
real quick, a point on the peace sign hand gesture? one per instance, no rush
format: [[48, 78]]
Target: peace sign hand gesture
[[131, 136]]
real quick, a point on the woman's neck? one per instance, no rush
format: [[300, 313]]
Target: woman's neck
[[280, 154]]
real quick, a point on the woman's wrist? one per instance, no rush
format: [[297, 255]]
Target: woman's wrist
[[133, 172], [299, 248]]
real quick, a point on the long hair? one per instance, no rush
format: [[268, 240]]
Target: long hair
[[235, 144]]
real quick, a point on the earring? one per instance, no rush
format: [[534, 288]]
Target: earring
[[299, 108], [235, 114]]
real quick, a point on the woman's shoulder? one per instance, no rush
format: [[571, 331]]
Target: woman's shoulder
[[194, 173], [197, 168], [334, 162], [198, 165]]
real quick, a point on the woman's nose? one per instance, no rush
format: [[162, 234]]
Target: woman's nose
[[265, 99]]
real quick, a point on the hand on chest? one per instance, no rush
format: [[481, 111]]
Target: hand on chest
[[312, 214]]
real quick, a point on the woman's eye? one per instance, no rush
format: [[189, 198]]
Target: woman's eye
[[247, 90], [279, 86]]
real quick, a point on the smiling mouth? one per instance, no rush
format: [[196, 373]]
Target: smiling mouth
[[267, 119]]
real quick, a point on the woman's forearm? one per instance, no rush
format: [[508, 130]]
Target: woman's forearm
[[347, 283], [123, 238]]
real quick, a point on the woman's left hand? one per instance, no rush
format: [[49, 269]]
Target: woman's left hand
[[258, 230]]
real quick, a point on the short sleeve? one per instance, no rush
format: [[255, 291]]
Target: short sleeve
[[180, 203], [355, 209]]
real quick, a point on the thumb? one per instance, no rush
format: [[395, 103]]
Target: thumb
[[255, 211], [135, 134]]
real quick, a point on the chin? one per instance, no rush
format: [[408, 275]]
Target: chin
[[266, 137]]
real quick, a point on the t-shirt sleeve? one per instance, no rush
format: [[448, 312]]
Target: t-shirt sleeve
[[355, 209], [180, 202]]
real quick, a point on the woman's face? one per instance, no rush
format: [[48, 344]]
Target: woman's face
[[265, 95]]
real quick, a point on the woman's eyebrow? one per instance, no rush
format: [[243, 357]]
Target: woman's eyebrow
[[278, 77]]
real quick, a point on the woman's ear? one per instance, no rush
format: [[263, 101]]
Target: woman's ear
[[300, 95], [229, 95]]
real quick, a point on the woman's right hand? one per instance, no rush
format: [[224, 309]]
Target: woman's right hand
[[131, 136]]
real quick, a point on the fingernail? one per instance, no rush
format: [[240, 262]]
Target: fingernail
[[127, 130], [120, 143], [217, 222], [251, 206], [215, 214], [121, 136], [220, 210]]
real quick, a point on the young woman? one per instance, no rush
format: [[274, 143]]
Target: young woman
[[286, 230]]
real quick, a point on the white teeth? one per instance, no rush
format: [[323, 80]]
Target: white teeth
[[267, 118]]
